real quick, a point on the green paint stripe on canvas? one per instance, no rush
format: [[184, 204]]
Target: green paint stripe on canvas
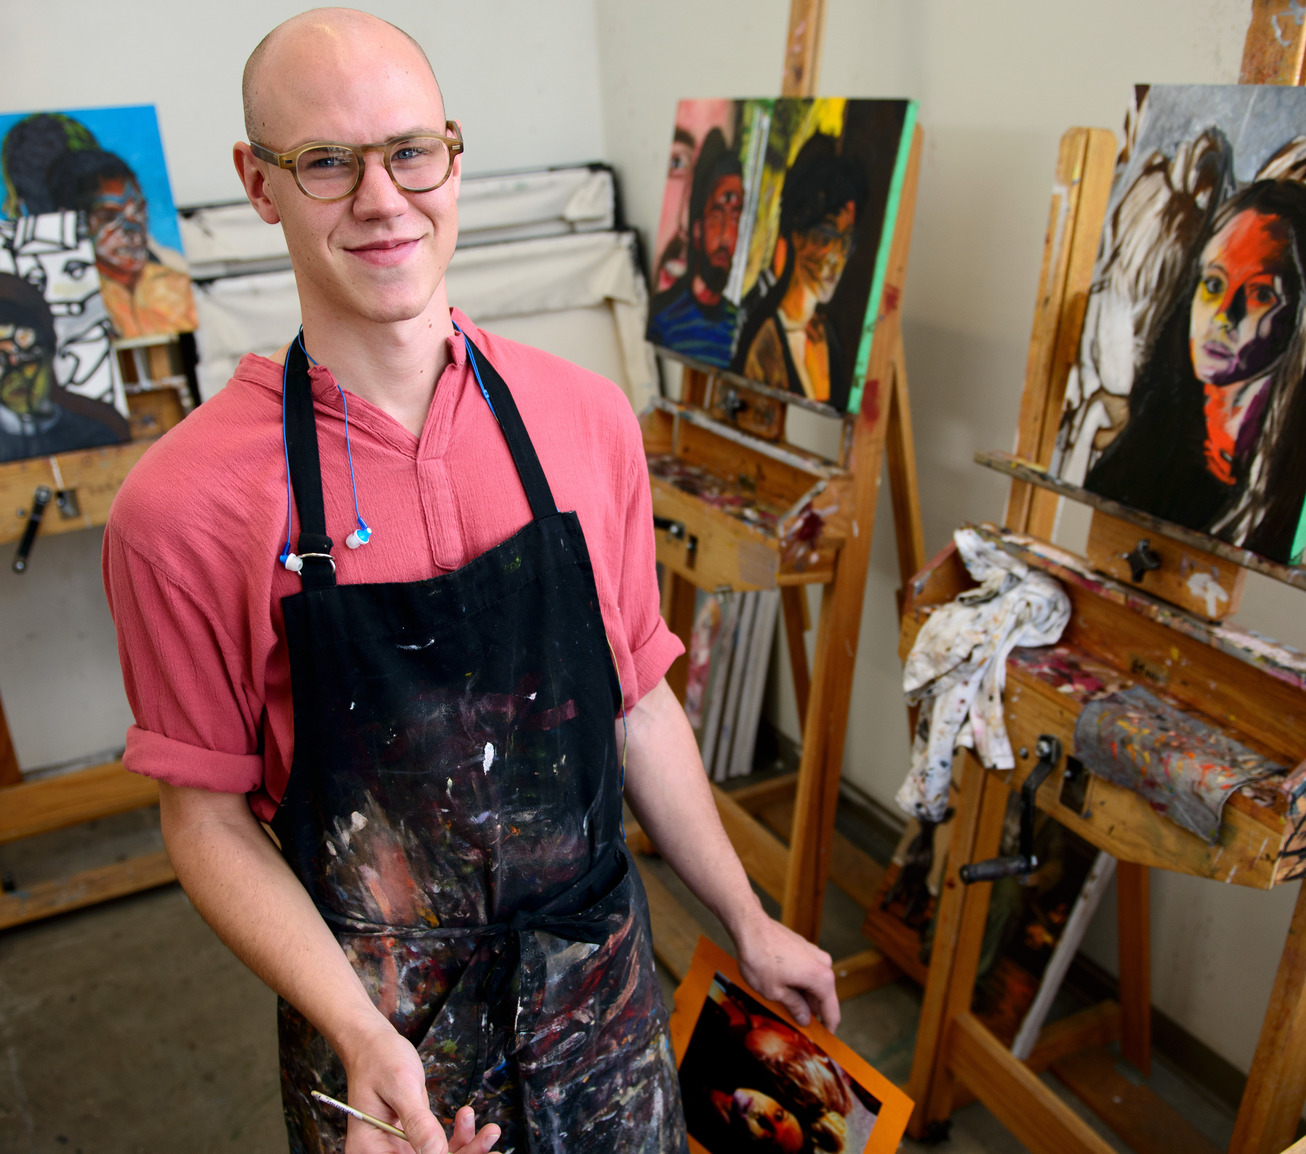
[[882, 259], [1298, 554]]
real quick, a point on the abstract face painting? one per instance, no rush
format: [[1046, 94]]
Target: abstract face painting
[[786, 209], [106, 165], [1188, 400]]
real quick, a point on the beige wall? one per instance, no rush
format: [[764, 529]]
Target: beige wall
[[998, 81]]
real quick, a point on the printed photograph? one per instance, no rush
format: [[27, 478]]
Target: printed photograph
[[107, 166], [753, 1080], [773, 239], [1188, 399]]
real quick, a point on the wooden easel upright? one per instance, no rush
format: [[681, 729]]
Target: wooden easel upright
[[1122, 633], [801, 807], [84, 484]]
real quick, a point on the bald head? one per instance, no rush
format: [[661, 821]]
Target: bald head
[[291, 44]]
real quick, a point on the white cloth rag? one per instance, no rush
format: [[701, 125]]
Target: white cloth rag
[[958, 667]]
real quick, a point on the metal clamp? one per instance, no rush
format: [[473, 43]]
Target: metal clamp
[[1025, 862], [40, 499]]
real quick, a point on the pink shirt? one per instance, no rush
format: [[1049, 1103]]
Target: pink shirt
[[191, 546]]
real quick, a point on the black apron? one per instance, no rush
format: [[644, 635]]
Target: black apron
[[454, 811]]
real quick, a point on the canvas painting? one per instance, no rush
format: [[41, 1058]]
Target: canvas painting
[[774, 236], [59, 385], [106, 165], [1188, 399], [752, 1079]]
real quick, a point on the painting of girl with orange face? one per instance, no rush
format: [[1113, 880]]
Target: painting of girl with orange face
[[1189, 399]]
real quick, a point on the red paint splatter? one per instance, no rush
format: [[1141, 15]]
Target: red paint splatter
[[892, 295], [871, 400]]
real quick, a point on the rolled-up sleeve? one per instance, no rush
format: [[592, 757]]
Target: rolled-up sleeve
[[186, 678]]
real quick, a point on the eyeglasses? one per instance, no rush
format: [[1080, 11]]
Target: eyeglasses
[[329, 171]]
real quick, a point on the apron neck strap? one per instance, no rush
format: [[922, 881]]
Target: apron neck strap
[[314, 546], [499, 398]]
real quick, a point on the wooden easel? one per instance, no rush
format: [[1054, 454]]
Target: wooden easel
[[802, 806], [35, 807], [1122, 636]]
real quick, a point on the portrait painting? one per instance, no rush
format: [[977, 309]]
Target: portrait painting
[[59, 385], [1188, 397], [753, 1080], [107, 166], [773, 239]]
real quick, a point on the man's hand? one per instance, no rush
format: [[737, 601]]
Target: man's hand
[[787, 968], [386, 1080]]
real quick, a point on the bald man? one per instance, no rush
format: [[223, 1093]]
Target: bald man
[[435, 721]]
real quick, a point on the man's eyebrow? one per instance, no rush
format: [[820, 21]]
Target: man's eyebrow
[[683, 136]]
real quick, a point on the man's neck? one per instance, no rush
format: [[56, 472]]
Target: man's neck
[[394, 365]]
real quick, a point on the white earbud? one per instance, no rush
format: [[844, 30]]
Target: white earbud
[[292, 561], [360, 536]]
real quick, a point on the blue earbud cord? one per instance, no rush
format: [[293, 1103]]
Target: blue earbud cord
[[364, 530], [471, 357]]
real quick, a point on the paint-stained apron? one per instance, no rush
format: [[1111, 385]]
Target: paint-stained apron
[[454, 810]]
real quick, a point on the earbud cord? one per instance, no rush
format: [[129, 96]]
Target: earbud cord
[[471, 357], [364, 531]]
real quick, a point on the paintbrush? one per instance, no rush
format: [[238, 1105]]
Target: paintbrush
[[354, 1112]]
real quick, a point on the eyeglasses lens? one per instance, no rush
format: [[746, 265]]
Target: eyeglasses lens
[[417, 164]]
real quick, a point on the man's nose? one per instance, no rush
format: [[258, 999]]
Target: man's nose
[[377, 194]]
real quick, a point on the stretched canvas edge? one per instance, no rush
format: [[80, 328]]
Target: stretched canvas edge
[[888, 230]]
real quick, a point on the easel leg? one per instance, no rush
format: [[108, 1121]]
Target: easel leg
[[10, 774], [794, 600], [958, 937], [1135, 926], [1276, 1087]]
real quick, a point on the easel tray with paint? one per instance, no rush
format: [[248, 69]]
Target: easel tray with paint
[[1118, 638], [745, 513]]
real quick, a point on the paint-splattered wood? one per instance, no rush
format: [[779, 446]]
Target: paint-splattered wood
[[1081, 187], [95, 474], [716, 549], [841, 608], [1276, 1087], [1194, 579], [803, 48], [59, 802], [1016, 1097], [87, 888], [1024, 470], [1146, 1123], [1276, 43]]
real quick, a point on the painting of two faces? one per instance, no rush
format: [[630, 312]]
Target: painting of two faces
[[1188, 399], [773, 239]]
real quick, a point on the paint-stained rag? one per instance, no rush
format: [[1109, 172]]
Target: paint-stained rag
[[957, 668]]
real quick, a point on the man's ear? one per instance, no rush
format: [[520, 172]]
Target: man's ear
[[456, 174], [255, 181]]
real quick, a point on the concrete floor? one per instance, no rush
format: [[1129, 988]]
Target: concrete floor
[[129, 1029]]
